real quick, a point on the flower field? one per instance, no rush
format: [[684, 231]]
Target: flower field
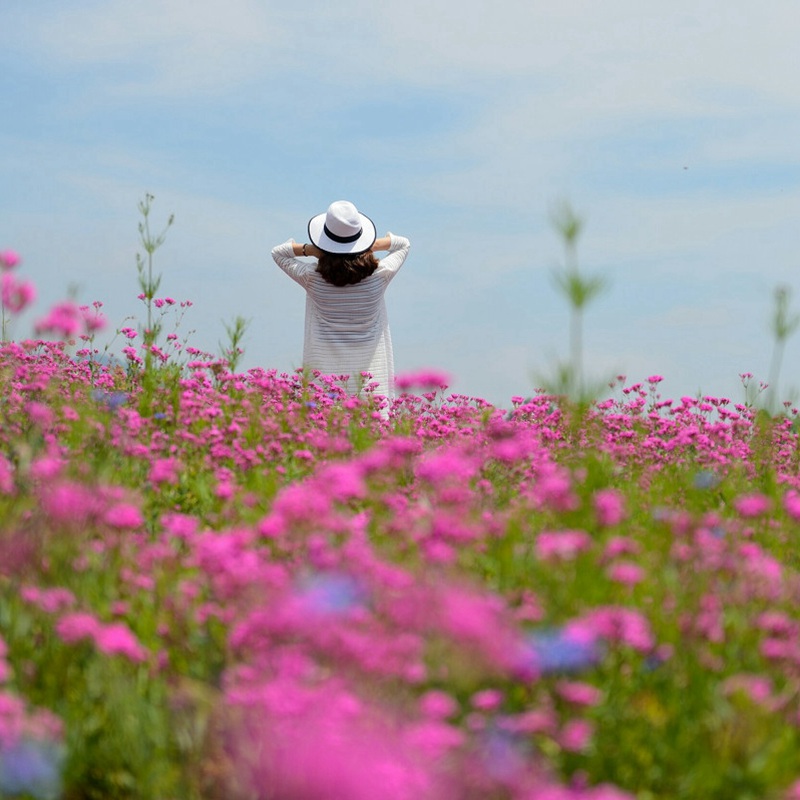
[[252, 585]]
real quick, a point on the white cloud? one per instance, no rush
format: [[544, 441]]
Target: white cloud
[[165, 46], [608, 58]]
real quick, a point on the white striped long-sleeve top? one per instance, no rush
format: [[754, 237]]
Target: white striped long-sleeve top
[[347, 327]]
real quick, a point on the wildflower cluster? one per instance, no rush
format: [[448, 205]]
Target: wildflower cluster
[[258, 586]]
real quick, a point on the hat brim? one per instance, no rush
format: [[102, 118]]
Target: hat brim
[[320, 239]]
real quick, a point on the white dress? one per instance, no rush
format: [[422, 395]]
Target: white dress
[[347, 327]]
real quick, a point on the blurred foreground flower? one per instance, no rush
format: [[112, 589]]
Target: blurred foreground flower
[[64, 319], [569, 649], [16, 295], [423, 379], [31, 768], [8, 259]]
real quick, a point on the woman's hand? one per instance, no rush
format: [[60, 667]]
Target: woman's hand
[[384, 243], [299, 249]]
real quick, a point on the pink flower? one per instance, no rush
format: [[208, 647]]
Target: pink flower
[[752, 505], [63, 318], [124, 516], [342, 481], [46, 468], [561, 545], [620, 545], [40, 413], [51, 601], [623, 625], [487, 699], [436, 704], [626, 572], [79, 625], [609, 507], [447, 465], [117, 639], [69, 502], [6, 476], [761, 565], [17, 295], [164, 470], [9, 259], [554, 490], [12, 718], [791, 504], [93, 322], [757, 687], [579, 693], [576, 735], [131, 354], [423, 379]]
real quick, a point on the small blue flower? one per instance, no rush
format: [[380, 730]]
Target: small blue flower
[[330, 593], [557, 650], [505, 756], [111, 400], [705, 480], [31, 767]]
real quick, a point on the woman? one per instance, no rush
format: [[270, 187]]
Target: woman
[[347, 327]]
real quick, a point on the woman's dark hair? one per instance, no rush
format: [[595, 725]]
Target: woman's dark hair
[[343, 269]]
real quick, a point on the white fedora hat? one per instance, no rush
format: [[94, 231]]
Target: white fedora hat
[[342, 229]]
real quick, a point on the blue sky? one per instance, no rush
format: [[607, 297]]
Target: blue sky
[[675, 131]]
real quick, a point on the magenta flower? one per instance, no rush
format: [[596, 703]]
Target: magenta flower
[[620, 545], [757, 687], [124, 516], [487, 699], [164, 470], [752, 505], [93, 322], [561, 545], [117, 639], [131, 354], [342, 482], [64, 319], [423, 379], [75, 626], [447, 465], [436, 704], [6, 476], [9, 259], [579, 693], [69, 502], [51, 601], [576, 735], [16, 295], [609, 507], [626, 572], [624, 625], [791, 504], [46, 468]]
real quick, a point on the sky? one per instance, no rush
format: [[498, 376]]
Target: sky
[[673, 130]]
